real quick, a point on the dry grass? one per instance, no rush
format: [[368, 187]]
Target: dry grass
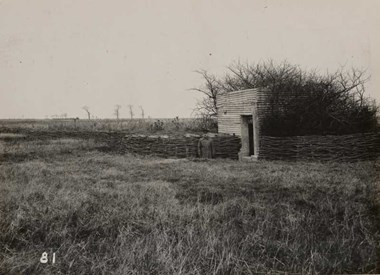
[[121, 214], [137, 125]]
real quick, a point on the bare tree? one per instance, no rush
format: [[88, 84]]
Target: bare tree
[[117, 111], [299, 102], [142, 111], [87, 110], [131, 110], [213, 87]]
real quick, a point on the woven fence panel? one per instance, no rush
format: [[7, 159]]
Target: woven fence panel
[[227, 146], [179, 146], [355, 147]]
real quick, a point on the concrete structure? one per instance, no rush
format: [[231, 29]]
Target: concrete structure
[[238, 115]]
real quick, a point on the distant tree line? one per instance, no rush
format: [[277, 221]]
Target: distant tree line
[[298, 102], [116, 112]]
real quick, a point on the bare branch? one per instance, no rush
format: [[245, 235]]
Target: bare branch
[[87, 110]]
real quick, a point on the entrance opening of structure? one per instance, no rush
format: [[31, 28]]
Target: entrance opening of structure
[[250, 136], [247, 136]]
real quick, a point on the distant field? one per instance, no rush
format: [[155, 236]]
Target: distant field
[[103, 213], [129, 125]]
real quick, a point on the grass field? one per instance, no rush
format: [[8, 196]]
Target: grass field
[[103, 213], [137, 125]]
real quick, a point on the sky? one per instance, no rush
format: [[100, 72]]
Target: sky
[[57, 56]]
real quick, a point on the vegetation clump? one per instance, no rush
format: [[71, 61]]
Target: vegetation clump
[[296, 101]]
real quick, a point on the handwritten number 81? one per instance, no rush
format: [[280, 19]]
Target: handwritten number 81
[[44, 258]]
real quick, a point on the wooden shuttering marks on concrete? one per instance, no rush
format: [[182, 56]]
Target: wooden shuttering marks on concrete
[[236, 102], [229, 124], [231, 106]]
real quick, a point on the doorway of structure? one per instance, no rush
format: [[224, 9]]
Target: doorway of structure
[[247, 136], [250, 137]]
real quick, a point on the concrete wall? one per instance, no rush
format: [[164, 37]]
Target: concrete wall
[[230, 108], [233, 109]]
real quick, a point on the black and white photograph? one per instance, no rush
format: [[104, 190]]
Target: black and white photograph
[[189, 137]]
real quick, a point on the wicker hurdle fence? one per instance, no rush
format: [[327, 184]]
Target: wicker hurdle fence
[[179, 146], [348, 148]]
